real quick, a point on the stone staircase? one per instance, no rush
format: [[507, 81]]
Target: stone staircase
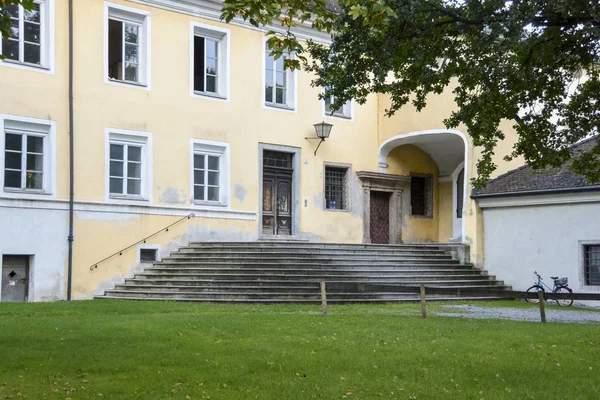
[[290, 272]]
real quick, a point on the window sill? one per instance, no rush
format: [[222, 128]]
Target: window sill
[[131, 198], [27, 191], [339, 116], [208, 95], [127, 83], [422, 216], [26, 66], [336, 210], [281, 107], [208, 203]]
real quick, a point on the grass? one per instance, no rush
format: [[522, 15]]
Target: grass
[[159, 350]]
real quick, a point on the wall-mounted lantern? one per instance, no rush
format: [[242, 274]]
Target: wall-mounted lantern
[[322, 129]]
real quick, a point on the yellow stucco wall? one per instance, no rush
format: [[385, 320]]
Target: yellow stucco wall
[[446, 211]]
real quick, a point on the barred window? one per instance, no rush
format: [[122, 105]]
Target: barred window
[[421, 195], [591, 262], [336, 188]]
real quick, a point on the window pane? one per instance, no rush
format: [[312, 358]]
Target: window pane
[[14, 29], [116, 168], [131, 33], [279, 64], [33, 180], [32, 33], [12, 160], [134, 186], [281, 79], [115, 49], [269, 60], [269, 94], [32, 15], [199, 63], [116, 151], [131, 53], [10, 49], [198, 192], [212, 48], [199, 177], [13, 142], [131, 71], [134, 170], [134, 153], [35, 162], [12, 179], [213, 178], [198, 161], [213, 163], [12, 10], [280, 96], [116, 185], [213, 194], [211, 66], [32, 53], [211, 84], [35, 144]]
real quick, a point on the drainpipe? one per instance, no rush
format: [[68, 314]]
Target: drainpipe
[[71, 153]]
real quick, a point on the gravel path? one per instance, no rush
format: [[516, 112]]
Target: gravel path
[[521, 314]]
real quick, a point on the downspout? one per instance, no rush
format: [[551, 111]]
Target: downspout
[[71, 154]]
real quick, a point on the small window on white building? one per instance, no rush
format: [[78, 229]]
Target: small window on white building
[[129, 165], [210, 52], [343, 112], [210, 172], [279, 82], [127, 39], [591, 264], [148, 255], [29, 43], [26, 157]]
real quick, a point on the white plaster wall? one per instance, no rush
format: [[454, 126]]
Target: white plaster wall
[[546, 238], [42, 234]]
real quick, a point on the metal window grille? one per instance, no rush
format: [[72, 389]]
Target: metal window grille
[[591, 263], [335, 188], [421, 196], [277, 159]]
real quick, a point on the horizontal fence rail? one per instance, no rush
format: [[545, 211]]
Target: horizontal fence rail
[[120, 252]]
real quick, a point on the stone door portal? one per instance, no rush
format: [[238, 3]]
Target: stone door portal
[[15, 278], [380, 217]]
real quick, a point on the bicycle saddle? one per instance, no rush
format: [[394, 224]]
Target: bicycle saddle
[[554, 277]]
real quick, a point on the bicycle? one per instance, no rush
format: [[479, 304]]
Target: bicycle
[[561, 285]]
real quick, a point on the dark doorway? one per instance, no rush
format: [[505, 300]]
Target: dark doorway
[[15, 278], [380, 217], [277, 193]]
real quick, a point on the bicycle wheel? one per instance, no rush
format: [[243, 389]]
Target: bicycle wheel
[[564, 302], [534, 289]]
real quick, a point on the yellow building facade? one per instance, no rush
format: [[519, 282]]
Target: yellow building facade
[[176, 113]]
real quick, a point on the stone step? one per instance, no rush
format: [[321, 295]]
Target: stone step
[[315, 245], [323, 270], [299, 265], [300, 257], [309, 252]]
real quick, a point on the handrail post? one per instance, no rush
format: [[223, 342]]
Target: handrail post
[[542, 306], [323, 298], [423, 309]]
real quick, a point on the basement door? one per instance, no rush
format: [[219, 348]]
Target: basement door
[[15, 278], [380, 217], [277, 193]]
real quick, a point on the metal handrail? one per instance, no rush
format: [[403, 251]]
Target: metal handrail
[[120, 252]]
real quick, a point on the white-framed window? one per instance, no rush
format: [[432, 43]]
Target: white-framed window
[[148, 253], [209, 69], [31, 44], [279, 83], [344, 112], [127, 45], [210, 180], [128, 165], [27, 156]]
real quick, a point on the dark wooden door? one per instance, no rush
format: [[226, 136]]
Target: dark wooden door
[[380, 217], [277, 202]]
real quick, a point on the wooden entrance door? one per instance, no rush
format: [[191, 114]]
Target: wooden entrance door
[[277, 193], [380, 217], [15, 278]]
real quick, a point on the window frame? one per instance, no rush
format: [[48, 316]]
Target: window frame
[[428, 200], [347, 113], [223, 38], [584, 278], [348, 169], [136, 138], [291, 103], [33, 127], [139, 17], [218, 149], [141, 247], [46, 41]]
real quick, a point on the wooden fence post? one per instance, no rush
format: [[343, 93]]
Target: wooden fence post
[[323, 298], [423, 310], [542, 306]]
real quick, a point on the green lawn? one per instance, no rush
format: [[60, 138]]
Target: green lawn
[[157, 350]]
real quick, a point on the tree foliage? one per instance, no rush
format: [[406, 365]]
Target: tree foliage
[[5, 24], [534, 62]]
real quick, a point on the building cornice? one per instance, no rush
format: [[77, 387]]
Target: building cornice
[[211, 10], [556, 198]]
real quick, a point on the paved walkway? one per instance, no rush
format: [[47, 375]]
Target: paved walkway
[[522, 314]]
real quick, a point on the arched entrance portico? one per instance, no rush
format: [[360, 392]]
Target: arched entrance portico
[[449, 151]]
